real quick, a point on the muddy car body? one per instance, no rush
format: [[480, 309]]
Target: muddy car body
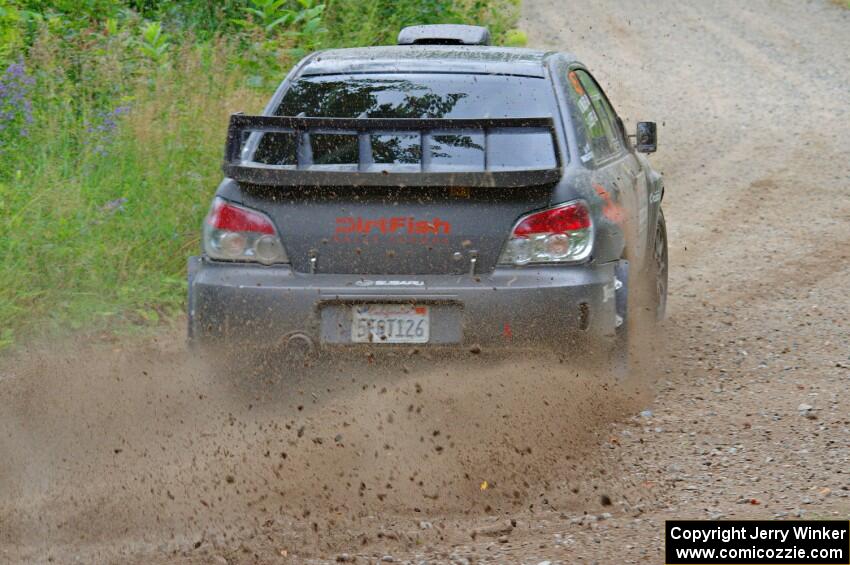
[[440, 192]]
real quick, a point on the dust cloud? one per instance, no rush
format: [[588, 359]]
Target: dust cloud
[[114, 450]]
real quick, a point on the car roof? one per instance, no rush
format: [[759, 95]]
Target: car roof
[[429, 58]]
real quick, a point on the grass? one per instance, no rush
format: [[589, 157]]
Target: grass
[[99, 224], [102, 200]]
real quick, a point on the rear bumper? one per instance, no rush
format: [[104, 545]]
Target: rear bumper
[[549, 307]]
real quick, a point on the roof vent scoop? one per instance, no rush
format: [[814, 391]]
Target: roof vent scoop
[[444, 34]]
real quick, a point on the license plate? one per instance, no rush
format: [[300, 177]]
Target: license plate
[[390, 323]]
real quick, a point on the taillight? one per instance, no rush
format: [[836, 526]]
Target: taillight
[[563, 234], [234, 233]]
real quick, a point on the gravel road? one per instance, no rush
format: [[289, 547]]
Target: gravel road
[[751, 417], [131, 453]]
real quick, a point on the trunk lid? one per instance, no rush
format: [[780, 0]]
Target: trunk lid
[[393, 230]]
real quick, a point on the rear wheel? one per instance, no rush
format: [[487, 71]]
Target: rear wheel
[[659, 267], [644, 291]]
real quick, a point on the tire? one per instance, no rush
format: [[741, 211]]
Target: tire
[[659, 266], [643, 299], [648, 298]]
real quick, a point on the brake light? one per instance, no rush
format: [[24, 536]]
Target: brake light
[[235, 233], [563, 234], [226, 216]]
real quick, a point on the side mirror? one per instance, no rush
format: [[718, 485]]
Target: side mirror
[[647, 137]]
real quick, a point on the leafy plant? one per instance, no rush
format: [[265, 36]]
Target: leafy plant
[[267, 14], [10, 30], [277, 33], [154, 43], [307, 28]]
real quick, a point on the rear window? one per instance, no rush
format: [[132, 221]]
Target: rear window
[[420, 96]]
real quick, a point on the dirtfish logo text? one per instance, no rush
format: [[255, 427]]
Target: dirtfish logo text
[[395, 225]]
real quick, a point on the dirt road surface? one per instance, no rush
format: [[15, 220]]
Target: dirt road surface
[[134, 453]]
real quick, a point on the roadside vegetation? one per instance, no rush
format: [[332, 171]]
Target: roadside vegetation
[[112, 120]]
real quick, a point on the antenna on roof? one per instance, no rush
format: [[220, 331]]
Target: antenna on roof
[[444, 34]]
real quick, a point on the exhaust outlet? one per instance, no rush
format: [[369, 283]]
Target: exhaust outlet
[[300, 346]]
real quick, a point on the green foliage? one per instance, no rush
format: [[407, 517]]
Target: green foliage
[[10, 29], [515, 38], [112, 120], [76, 10], [204, 18], [153, 43], [279, 34], [377, 22], [272, 15]]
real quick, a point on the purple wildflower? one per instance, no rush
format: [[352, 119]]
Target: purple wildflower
[[15, 103], [101, 128]]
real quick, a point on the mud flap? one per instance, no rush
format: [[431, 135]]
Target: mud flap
[[192, 266], [621, 297], [621, 293]]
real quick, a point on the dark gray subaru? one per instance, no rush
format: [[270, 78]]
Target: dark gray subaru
[[440, 193]]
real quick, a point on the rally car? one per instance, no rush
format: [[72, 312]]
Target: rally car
[[436, 193]]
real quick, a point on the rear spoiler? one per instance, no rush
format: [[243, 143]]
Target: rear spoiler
[[368, 173]]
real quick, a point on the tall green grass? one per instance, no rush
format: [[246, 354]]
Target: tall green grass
[[98, 219], [103, 190]]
